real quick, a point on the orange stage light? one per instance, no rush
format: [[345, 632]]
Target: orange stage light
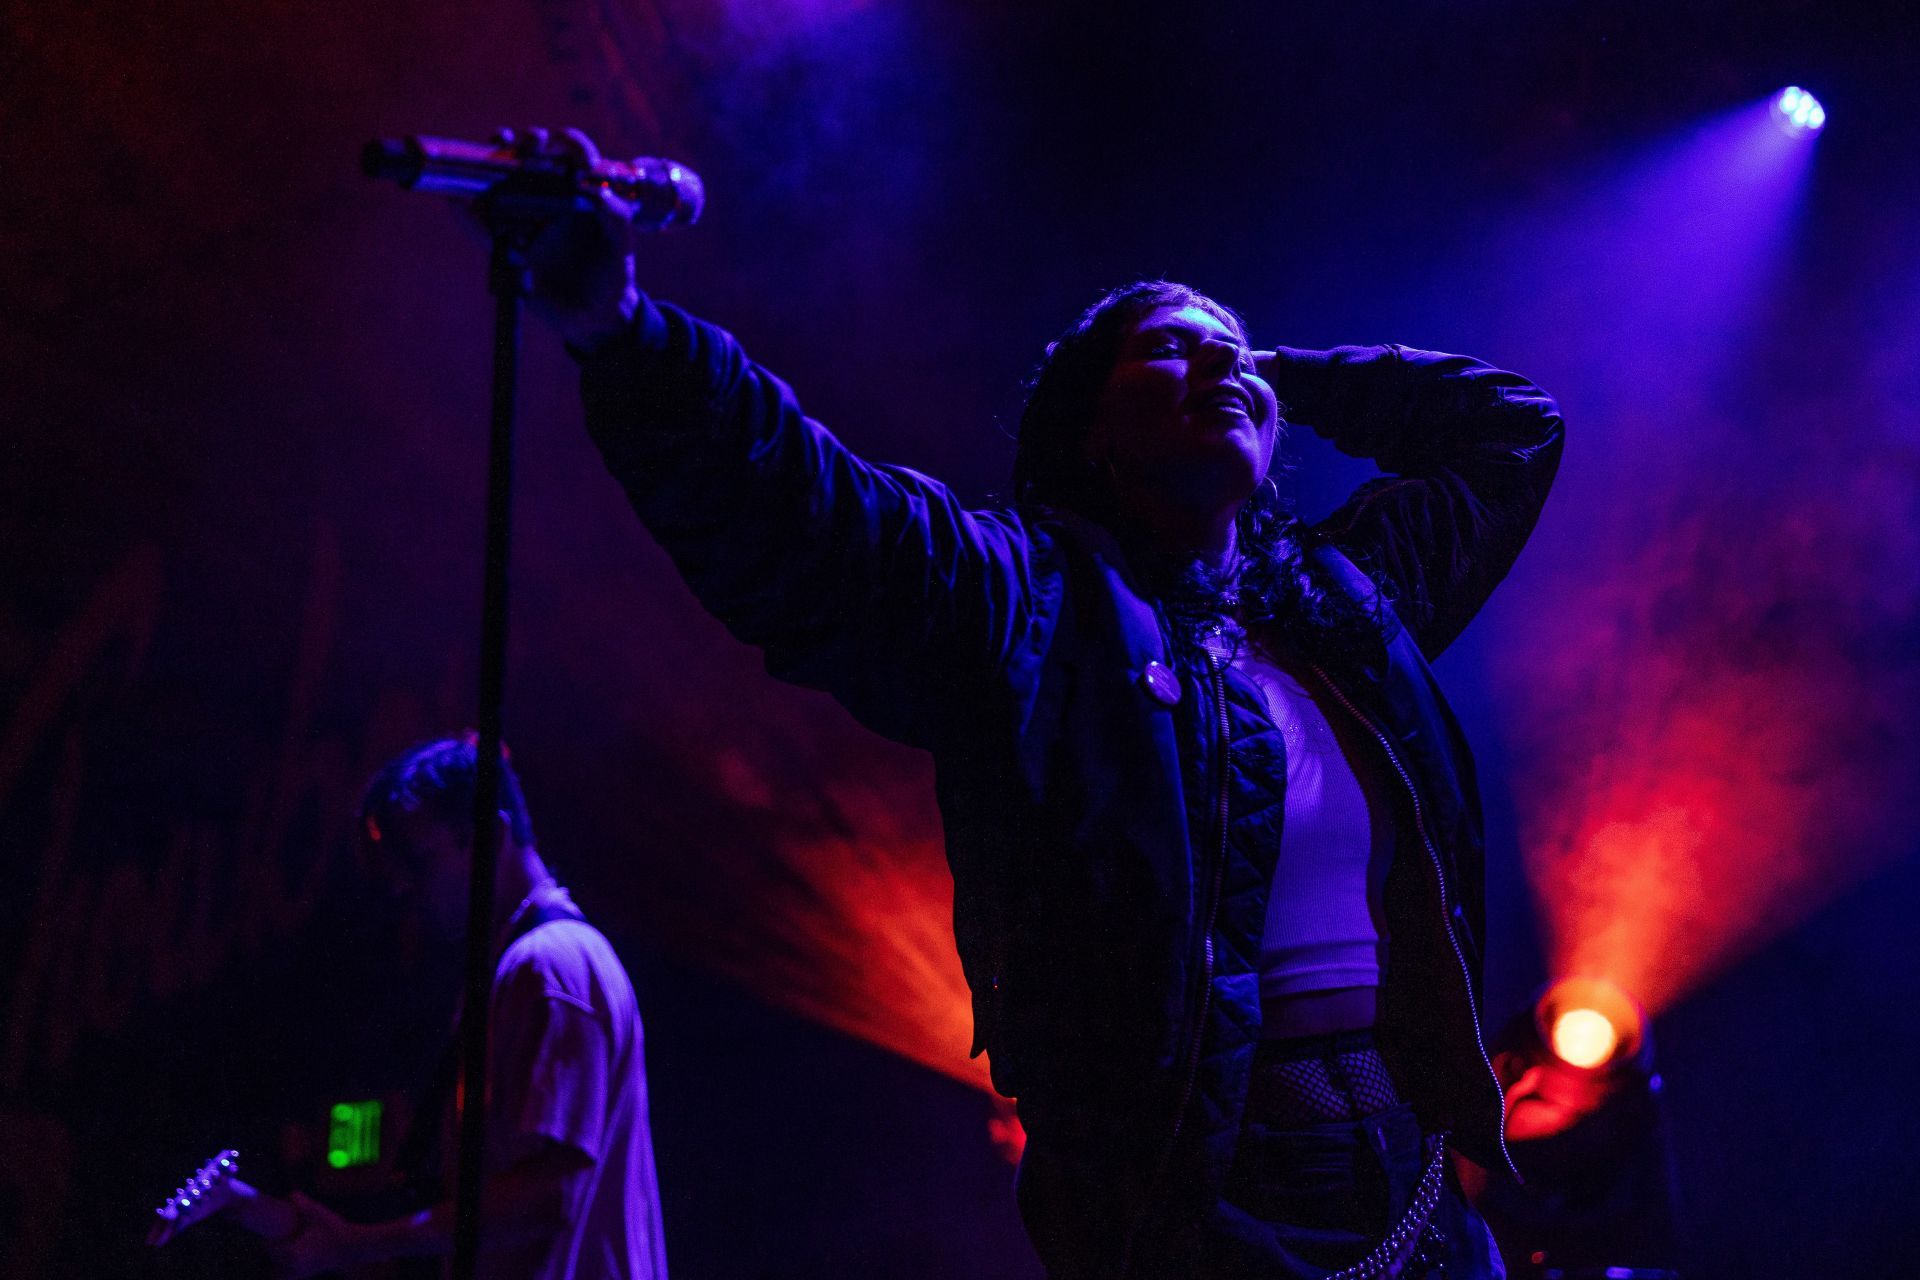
[[1584, 1037]]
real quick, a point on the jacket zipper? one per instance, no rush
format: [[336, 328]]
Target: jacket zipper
[[1216, 661], [1223, 744], [1446, 906]]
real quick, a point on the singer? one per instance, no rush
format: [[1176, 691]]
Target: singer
[[1214, 833]]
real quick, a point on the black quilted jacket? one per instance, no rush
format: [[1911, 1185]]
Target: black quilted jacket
[[1106, 932]]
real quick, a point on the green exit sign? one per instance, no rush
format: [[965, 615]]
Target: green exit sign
[[353, 1134]]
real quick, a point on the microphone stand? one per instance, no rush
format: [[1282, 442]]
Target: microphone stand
[[516, 197], [515, 212]]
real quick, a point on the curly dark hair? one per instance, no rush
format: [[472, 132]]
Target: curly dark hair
[[1278, 585]]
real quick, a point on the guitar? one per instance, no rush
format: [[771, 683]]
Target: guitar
[[215, 1188]]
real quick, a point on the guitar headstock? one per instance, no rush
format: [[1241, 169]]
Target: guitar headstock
[[210, 1189]]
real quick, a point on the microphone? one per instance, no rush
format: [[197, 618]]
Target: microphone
[[665, 194]]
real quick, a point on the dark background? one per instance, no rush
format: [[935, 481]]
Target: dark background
[[243, 401]]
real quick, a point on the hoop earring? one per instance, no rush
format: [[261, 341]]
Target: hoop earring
[[1270, 483]]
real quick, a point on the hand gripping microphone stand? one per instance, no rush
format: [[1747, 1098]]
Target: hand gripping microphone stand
[[516, 197]]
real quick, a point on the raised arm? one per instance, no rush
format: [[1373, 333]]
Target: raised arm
[[871, 582], [1468, 452]]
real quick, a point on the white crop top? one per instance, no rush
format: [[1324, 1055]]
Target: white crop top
[[1324, 928]]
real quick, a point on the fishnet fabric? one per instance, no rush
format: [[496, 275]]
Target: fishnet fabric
[[1329, 1085], [1369, 1087]]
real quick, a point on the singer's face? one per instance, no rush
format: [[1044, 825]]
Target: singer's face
[[1184, 419]]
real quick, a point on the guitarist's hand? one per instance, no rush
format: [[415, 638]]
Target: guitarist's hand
[[325, 1241]]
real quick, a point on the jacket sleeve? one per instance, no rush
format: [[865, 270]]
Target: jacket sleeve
[[870, 582], [1468, 453]]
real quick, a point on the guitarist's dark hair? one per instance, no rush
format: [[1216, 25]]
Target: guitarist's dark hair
[[436, 780]]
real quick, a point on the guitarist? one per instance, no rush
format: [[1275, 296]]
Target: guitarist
[[571, 1191]]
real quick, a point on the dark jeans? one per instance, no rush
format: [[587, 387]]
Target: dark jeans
[[1303, 1203]]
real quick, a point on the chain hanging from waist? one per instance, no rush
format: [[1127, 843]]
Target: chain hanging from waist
[[1338, 1078], [1416, 1227]]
